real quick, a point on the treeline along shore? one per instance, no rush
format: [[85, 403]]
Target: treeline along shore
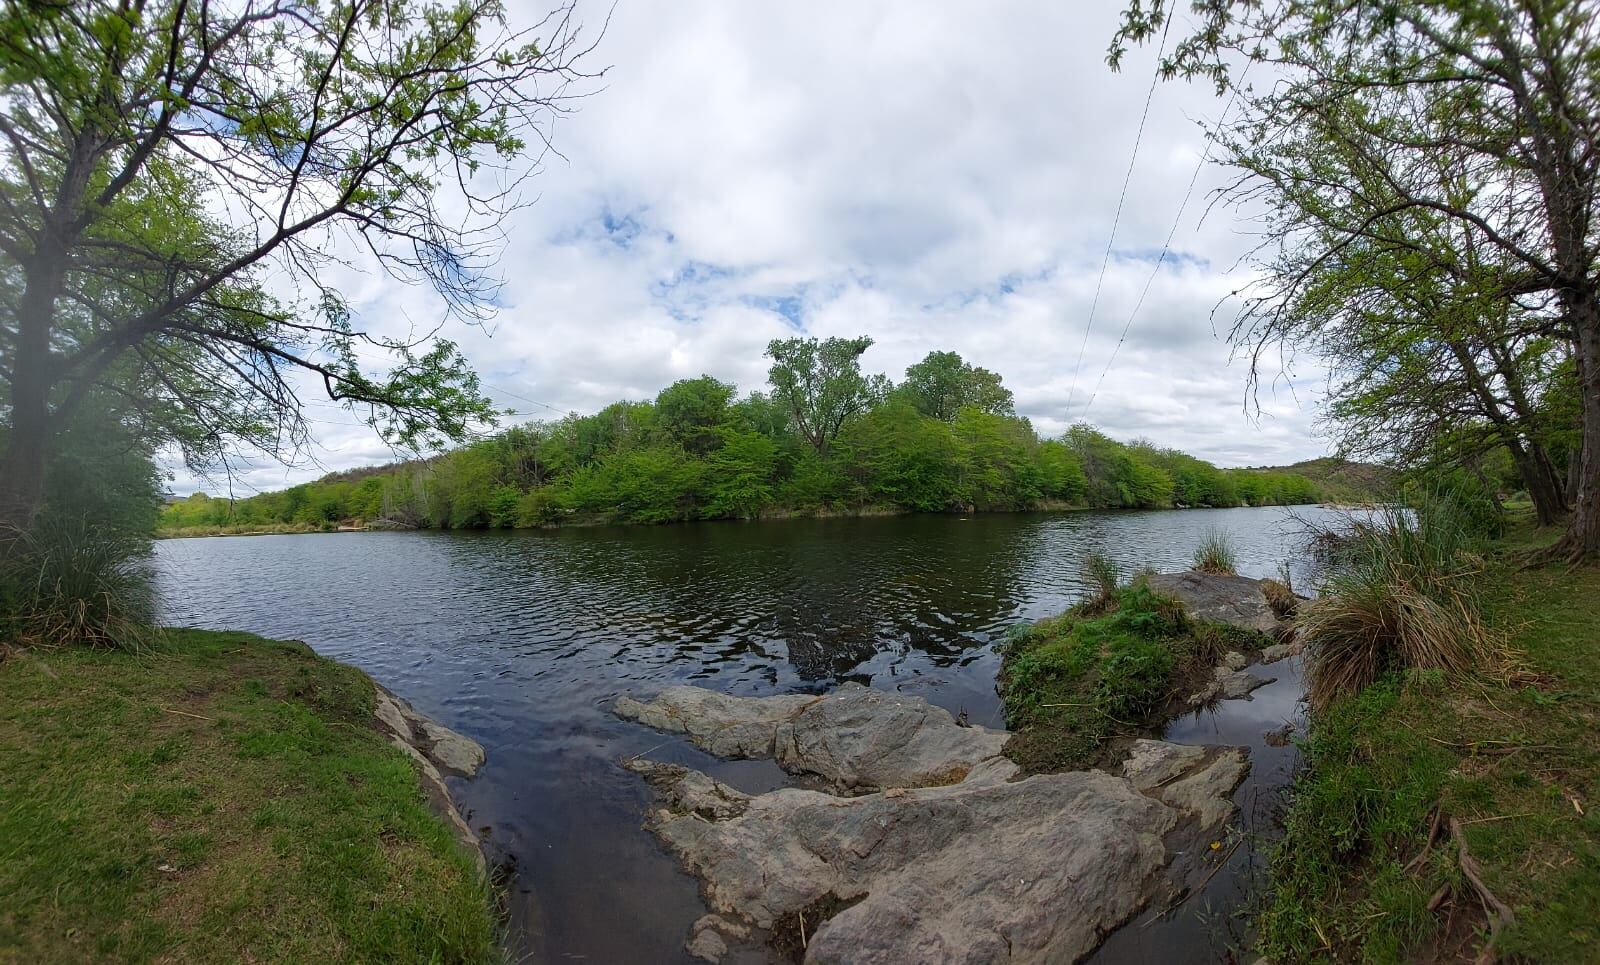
[[823, 440]]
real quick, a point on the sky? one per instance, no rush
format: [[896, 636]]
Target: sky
[[934, 176]]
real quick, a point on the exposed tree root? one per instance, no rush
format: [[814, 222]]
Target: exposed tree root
[[1500, 914]]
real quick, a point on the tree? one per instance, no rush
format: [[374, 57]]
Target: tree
[[942, 384], [179, 178], [690, 410], [821, 384], [1482, 114]]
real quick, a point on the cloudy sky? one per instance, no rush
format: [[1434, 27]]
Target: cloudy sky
[[935, 176]]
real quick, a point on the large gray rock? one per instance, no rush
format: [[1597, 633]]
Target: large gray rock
[[1220, 598], [954, 860], [858, 738], [1027, 871]]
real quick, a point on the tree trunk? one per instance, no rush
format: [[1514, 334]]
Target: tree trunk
[[27, 448], [1582, 541]]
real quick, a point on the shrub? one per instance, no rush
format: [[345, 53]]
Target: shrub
[[71, 581], [1215, 554], [1400, 596]]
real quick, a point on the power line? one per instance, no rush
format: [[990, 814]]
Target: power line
[[1116, 219], [1166, 246]]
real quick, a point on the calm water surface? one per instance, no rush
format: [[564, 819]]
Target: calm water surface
[[521, 639]]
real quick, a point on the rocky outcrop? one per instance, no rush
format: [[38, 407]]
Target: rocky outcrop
[[857, 738], [436, 750], [1221, 598], [1009, 871], [948, 857]]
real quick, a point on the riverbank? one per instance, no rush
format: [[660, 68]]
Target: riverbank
[[1506, 774], [220, 798]]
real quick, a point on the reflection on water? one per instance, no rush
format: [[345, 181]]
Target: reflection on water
[[520, 639]]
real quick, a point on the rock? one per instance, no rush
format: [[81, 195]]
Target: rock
[[1207, 793], [707, 945], [953, 860], [453, 752], [717, 723], [1199, 780], [1152, 763], [1220, 598], [1237, 684], [1031, 870], [1279, 651], [1279, 736], [434, 748], [858, 738], [1234, 660]]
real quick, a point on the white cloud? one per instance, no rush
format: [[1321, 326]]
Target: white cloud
[[934, 176]]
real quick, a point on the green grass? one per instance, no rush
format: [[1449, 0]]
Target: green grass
[[1105, 668], [220, 798], [1518, 764]]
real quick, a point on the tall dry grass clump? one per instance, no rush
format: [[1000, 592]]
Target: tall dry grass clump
[[1215, 554], [69, 581], [1401, 594]]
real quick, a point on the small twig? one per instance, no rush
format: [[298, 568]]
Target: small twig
[[1499, 817], [184, 713], [1197, 888], [802, 913], [1439, 897]]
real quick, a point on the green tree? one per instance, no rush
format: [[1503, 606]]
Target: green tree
[[821, 385], [1479, 119], [942, 384], [690, 412], [168, 164]]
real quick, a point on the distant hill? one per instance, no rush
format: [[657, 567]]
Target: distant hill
[[1343, 481]]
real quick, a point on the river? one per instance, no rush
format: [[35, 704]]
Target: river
[[520, 639]]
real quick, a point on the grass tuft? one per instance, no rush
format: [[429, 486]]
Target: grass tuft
[[68, 581], [1215, 554], [1104, 578], [1403, 594]]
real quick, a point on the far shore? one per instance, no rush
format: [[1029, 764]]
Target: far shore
[[597, 520]]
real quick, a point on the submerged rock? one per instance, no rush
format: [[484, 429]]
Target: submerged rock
[[1280, 651], [858, 738], [952, 859], [1220, 598]]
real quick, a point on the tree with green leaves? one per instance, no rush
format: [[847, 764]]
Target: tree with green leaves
[[182, 181], [1482, 116], [821, 384], [690, 410], [943, 384]]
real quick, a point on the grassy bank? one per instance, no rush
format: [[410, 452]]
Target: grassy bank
[[1114, 665], [1516, 765], [223, 798]]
